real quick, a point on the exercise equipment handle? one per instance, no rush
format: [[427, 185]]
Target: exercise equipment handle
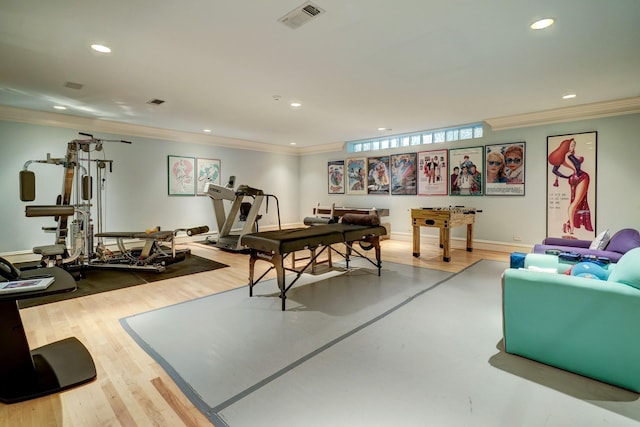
[[197, 230]]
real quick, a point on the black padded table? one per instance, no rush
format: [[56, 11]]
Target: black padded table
[[27, 374], [274, 247]]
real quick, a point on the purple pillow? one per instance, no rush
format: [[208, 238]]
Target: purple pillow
[[624, 240]]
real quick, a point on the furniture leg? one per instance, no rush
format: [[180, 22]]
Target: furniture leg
[[416, 241], [469, 237], [347, 252], [376, 241], [278, 263], [252, 268], [446, 231]]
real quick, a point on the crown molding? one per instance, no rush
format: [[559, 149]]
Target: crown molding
[[595, 110], [42, 118], [323, 148]]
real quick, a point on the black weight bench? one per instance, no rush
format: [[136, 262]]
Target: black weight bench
[[275, 246]]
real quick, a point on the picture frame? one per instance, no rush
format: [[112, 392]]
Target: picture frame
[[571, 185], [403, 174], [433, 179], [356, 175], [465, 171], [378, 176], [181, 175], [207, 170], [335, 177], [505, 169]]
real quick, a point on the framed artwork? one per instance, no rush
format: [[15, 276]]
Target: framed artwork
[[357, 175], [207, 170], [465, 171], [378, 176], [181, 173], [432, 172], [335, 175], [403, 174], [504, 169], [571, 185]]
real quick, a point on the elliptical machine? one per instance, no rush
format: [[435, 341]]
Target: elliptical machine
[[241, 210]]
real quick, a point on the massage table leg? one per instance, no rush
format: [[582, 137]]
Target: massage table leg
[[278, 263]]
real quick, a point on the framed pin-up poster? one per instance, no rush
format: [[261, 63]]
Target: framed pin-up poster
[[571, 185], [207, 170], [403, 174], [356, 170], [504, 169], [181, 175], [432, 173], [465, 171], [378, 176], [335, 175]]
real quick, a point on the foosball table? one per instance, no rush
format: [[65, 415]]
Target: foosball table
[[444, 219]]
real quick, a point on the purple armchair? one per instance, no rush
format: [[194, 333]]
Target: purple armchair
[[620, 243]]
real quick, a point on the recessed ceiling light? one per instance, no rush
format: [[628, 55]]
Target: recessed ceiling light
[[100, 48], [296, 104], [206, 130], [381, 129], [59, 107], [292, 143], [542, 24], [569, 96]]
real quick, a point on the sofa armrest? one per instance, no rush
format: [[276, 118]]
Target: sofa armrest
[[557, 241], [573, 323]]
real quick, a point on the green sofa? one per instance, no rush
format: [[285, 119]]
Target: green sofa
[[582, 325]]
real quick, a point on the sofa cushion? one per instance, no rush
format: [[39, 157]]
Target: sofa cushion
[[613, 256], [601, 240], [624, 240], [627, 270]]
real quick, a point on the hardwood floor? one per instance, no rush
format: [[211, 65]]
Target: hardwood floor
[[131, 389]]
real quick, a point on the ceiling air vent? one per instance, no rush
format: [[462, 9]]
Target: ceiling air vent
[[72, 85], [155, 101], [301, 15]]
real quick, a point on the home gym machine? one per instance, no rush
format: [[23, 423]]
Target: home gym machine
[[241, 210], [73, 247]]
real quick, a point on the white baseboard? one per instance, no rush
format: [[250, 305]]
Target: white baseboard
[[461, 243]]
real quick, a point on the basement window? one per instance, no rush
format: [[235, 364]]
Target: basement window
[[426, 137]]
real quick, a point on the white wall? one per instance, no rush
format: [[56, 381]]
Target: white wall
[[502, 217], [136, 192]]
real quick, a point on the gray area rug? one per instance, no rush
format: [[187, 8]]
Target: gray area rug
[[414, 347]]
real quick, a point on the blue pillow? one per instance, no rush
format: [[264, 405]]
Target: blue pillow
[[589, 270], [627, 270]]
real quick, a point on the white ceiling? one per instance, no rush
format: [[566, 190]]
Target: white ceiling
[[408, 65]]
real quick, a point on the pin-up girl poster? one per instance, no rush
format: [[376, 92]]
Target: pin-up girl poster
[[181, 176], [571, 195]]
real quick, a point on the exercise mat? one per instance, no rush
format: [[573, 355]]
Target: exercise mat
[[94, 281]]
